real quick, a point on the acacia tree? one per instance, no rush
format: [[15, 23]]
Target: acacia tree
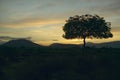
[[87, 26]]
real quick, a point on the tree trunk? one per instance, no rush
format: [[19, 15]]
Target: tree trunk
[[84, 42]]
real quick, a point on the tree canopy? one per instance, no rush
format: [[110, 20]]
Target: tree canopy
[[87, 26]]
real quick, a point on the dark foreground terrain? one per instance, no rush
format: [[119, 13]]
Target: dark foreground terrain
[[45, 63]]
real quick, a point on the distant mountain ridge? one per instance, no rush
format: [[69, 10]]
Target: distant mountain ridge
[[59, 45], [113, 44], [20, 43], [28, 43], [2, 42]]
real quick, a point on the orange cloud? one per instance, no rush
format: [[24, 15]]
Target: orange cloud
[[28, 23]]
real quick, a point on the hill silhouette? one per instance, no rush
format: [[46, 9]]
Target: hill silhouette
[[25, 60], [2, 42], [59, 45], [113, 44], [21, 43], [28, 43]]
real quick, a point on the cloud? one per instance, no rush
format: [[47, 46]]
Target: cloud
[[55, 40], [30, 22], [7, 38], [55, 11], [45, 6], [116, 29], [109, 8]]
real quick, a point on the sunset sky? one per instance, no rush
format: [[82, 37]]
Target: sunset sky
[[42, 20]]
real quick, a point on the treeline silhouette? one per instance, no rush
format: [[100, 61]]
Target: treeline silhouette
[[47, 63]]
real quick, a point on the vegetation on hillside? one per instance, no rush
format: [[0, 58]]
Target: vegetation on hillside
[[45, 63]]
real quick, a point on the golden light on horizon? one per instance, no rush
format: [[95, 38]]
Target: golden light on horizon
[[38, 23]]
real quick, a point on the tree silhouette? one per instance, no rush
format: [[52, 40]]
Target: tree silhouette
[[86, 26]]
